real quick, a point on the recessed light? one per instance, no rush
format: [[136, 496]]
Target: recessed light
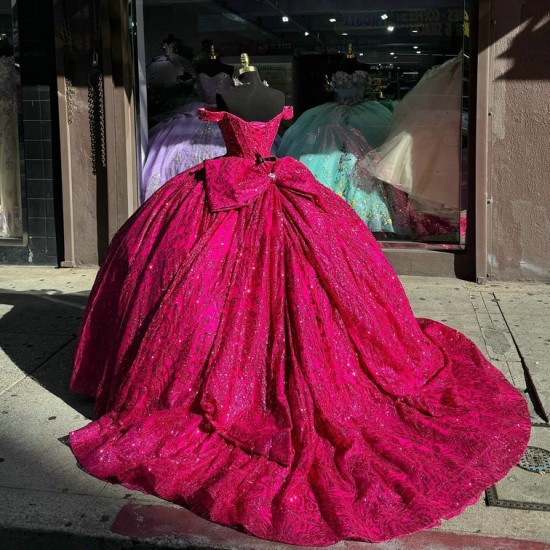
[[285, 19], [344, 34], [392, 53], [384, 16], [306, 34], [361, 54], [415, 30], [390, 28], [332, 20], [418, 51], [415, 47]]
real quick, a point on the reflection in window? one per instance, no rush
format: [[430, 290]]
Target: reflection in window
[[377, 96], [10, 187]]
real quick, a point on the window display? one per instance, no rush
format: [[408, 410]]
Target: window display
[[11, 225], [377, 94]]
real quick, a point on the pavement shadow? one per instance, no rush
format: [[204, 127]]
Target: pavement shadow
[[38, 330]]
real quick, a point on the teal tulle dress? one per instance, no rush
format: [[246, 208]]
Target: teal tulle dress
[[330, 138]]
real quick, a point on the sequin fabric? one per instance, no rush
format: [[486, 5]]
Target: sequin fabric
[[181, 140], [331, 141], [254, 358], [209, 86], [349, 88]]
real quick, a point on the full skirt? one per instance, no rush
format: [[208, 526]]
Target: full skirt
[[261, 366]]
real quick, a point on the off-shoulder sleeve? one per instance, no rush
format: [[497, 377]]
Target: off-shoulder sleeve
[[210, 115], [288, 112]]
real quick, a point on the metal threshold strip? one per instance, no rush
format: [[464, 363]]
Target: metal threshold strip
[[535, 460], [493, 500]]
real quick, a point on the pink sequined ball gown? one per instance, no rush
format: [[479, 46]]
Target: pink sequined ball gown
[[254, 358]]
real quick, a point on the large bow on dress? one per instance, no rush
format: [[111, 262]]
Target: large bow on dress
[[234, 182]]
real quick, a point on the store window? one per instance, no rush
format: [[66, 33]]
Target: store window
[[380, 99], [11, 225]]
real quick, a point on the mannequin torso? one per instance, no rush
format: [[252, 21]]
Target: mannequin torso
[[253, 101], [349, 66], [213, 67]]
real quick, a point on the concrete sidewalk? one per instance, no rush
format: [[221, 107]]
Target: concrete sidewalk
[[46, 501]]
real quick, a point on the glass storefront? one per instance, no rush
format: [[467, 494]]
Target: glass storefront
[[11, 218], [379, 91]]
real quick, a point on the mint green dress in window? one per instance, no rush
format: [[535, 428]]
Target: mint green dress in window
[[330, 138]]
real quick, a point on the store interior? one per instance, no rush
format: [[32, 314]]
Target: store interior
[[379, 91]]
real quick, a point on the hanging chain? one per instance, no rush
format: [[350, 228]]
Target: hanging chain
[[96, 99], [68, 59]]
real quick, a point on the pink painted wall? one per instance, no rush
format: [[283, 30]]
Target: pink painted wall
[[519, 165]]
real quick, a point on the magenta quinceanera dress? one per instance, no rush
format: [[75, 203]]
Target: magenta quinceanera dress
[[255, 359]]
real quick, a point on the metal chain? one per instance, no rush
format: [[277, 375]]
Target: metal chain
[[96, 99], [102, 136], [68, 45], [92, 121]]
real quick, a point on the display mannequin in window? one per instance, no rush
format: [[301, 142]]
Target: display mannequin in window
[[330, 138], [180, 140], [213, 65], [253, 99], [348, 62], [170, 77], [254, 358]]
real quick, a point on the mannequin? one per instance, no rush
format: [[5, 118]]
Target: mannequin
[[213, 65], [171, 68], [349, 63], [254, 101], [170, 78]]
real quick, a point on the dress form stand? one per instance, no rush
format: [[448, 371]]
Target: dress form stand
[[213, 65], [253, 101]]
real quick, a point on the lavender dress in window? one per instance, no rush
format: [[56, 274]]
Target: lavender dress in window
[[180, 140]]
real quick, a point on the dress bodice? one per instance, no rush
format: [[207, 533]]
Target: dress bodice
[[209, 86], [349, 88], [246, 139]]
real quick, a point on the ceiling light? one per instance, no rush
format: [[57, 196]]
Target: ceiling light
[[384, 16], [285, 19], [332, 20], [344, 34], [306, 34], [415, 47], [415, 30], [418, 51], [392, 53], [361, 54], [390, 28]]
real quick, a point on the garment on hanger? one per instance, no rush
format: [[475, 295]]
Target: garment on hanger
[[422, 153], [263, 367]]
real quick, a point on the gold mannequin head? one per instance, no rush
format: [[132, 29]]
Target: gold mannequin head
[[350, 54], [245, 67]]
